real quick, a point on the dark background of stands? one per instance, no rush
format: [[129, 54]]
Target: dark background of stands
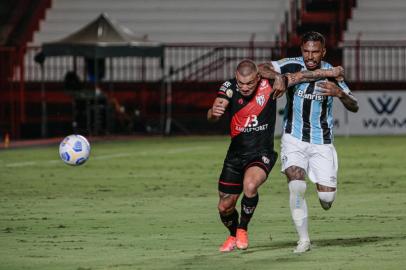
[[134, 107]]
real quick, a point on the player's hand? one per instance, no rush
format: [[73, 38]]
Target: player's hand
[[218, 108], [338, 73], [279, 86], [327, 88], [266, 71]]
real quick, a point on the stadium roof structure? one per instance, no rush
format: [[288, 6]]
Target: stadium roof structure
[[102, 38]]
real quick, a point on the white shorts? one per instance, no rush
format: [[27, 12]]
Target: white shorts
[[318, 160]]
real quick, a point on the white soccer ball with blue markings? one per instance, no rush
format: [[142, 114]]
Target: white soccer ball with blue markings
[[74, 150]]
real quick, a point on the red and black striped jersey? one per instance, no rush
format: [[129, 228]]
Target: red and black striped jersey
[[252, 119]]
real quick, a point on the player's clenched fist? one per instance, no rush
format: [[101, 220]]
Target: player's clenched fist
[[218, 109]]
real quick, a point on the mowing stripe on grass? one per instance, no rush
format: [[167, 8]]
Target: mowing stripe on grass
[[111, 156]]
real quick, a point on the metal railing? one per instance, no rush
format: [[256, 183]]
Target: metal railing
[[366, 61], [198, 62], [363, 61]]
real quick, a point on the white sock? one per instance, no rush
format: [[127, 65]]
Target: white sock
[[298, 208], [326, 199]]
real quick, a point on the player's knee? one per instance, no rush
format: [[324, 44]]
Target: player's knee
[[297, 187], [250, 189], [225, 208], [326, 199]]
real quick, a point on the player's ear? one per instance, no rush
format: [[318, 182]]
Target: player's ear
[[324, 51]]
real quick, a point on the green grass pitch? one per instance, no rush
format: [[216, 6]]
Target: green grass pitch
[[152, 204]]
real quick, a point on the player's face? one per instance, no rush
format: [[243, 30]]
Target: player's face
[[247, 84], [313, 52]]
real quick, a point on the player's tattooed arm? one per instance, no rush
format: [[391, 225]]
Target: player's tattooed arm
[[267, 71], [332, 89], [314, 75], [217, 110], [282, 82]]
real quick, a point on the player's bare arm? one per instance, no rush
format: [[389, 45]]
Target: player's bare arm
[[282, 82], [314, 75], [217, 110], [267, 71], [332, 89]]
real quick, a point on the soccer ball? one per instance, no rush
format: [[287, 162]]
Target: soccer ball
[[74, 150]]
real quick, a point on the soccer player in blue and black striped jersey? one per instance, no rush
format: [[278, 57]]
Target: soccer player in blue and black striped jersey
[[307, 141]]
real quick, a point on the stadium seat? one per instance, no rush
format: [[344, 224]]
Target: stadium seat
[[376, 22], [176, 21]]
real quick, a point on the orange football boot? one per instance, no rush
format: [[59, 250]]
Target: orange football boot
[[242, 239], [228, 245]]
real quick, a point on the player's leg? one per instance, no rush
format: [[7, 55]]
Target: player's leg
[[323, 168], [255, 175], [326, 195], [227, 211], [294, 161], [229, 217], [298, 206], [230, 187]]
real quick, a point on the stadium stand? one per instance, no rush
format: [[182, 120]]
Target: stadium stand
[[176, 21], [375, 20], [374, 43], [203, 42]]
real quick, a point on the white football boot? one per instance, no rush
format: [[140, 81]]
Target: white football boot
[[302, 246]]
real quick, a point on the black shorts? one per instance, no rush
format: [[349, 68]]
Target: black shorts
[[232, 175]]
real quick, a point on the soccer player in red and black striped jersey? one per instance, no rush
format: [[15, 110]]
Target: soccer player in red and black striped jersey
[[251, 103]]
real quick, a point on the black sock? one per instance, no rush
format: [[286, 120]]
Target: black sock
[[248, 206], [231, 222]]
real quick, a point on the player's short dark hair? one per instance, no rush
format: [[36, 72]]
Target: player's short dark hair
[[247, 67], [313, 36]]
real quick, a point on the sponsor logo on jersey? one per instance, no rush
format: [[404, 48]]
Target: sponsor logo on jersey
[[302, 93], [265, 159], [251, 129], [260, 100]]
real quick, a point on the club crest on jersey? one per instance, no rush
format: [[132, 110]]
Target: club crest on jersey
[[260, 100], [229, 93], [265, 159]]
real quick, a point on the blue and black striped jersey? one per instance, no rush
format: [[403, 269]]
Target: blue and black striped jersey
[[307, 115]]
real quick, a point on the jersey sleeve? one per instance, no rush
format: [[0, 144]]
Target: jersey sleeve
[[343, 86], [287, 65], [225, 91]]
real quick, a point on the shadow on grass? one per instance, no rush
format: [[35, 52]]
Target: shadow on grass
[[341, 242]]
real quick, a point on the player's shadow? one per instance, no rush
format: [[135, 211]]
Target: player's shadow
[[342, 242]]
